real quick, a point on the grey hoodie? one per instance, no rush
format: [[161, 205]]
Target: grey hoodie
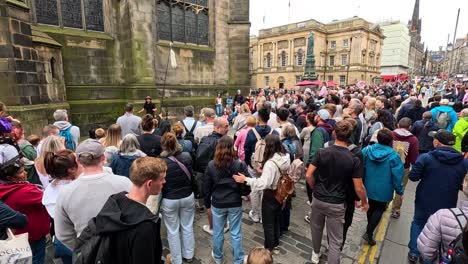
[[271, 174], [74, 131]]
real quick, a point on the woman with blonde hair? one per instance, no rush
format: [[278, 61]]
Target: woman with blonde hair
[[240, 120], [112, 141], [50, 144]]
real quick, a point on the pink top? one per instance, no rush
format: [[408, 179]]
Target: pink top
[[323, 91], [465, 98], [240, 141]]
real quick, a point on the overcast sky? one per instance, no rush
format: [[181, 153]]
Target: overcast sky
[[438, 16]]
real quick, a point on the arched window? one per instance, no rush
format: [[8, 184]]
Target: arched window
[[283, 58], [53, 68], [268, 60], [300, 55]]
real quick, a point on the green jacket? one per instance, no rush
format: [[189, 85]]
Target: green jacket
[[459, 130], [30, 153]]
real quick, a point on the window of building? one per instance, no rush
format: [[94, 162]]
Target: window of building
[[47, 12], [53, 68], [373, 44], [333, 44], [342, 79], [322, 60], [268, 60], [332, 61], [345, 43], [184, 21], [330, 78], [371, 61], [298, 78], [267, 81], [300, 55], [344, 59], [283, 58]]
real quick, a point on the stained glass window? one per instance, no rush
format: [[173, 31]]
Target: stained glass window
[[71, 13], [46, 12], [184, 21]]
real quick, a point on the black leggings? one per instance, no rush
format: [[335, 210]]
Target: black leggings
[[271, 219], [374, 215]]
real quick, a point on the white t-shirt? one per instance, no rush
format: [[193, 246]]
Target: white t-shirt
[[50, 195], [45, 178]]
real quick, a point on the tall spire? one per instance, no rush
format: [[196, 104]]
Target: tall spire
[[415, 22]]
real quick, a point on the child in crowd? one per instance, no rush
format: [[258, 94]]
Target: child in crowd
[[259, 256], [100, 133]]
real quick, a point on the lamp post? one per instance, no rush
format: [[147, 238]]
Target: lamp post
[[349, 59]]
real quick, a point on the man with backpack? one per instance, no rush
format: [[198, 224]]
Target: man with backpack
[[407, 146], [444, 115], [205, 154], [440, 174], [69, 132], [336, 165], [254, 148], [205, 130], [135, 235], [82, 199], [190, 124]]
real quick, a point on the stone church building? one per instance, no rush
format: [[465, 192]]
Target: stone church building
[[94, 56]]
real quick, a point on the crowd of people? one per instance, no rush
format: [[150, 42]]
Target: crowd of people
[[353, 148]]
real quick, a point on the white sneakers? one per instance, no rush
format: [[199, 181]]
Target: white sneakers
[[207, 229], [254, 218], [215, 261], [315, 257]]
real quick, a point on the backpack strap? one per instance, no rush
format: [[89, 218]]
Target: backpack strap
[[460, 216], [182, 166], [352, 147], [257, 135], [277, 166], [193, 127]]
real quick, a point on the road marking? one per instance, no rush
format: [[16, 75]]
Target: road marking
[[363, 257], [378, 238]]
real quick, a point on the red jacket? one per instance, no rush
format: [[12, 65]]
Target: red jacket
[[27, 199]]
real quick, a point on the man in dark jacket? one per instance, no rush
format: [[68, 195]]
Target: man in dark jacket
[[421, 130], [126, 223], [441, 173], [300, 119]]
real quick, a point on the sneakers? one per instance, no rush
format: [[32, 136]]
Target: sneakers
[[215, 261], [307, 218], [395, 214], [187, 260], [254, 218], [226, 229], [412, 258], [315, 259], [207, 229], [276, 251], [309, 203], [369, 239]]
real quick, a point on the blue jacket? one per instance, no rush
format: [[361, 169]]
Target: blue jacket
[[451, 113], [251, 140], [441, 173], [120, 165], [383, 172], [421, 129]]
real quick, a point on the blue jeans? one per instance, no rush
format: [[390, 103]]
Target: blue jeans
[[220, 215], [38, 250], [419, 221], [61, 251], [219, 110], [178, 217]]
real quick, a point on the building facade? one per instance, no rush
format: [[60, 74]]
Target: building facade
[[396, 47], [456, 61], [346, 52], [416, 53], [94, 56]]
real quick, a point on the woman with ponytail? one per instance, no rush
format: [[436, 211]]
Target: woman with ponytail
[[63, 169]]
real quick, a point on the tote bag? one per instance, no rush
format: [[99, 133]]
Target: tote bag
[[15, 249]]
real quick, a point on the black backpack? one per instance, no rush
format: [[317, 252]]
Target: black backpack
[[455, 252], [189, 133], [205, 152], [92, 248]]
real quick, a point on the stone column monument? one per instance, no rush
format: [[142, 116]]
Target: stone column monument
[[309, 69]]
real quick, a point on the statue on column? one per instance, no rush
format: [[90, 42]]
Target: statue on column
[[309, 68]]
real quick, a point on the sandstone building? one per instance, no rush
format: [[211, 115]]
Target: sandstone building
[[93, 56], [346, 51]]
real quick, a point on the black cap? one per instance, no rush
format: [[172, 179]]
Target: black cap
[[445, 137]]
